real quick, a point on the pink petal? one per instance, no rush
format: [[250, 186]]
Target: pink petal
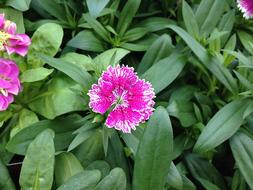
[[131, 99], [5, 101], [246, 6]]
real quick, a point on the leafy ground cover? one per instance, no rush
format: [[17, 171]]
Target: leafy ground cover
[[180, 117]]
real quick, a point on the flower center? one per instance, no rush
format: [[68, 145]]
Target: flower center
[[4, 77], [3, 39], [3, 92], [120, 98]]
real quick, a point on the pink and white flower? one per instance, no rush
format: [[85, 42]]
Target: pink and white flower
[[9, 82], [127, 99], [10, 41], [246, 6]]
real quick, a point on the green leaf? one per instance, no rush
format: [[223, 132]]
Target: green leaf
[[226, 24], [14, 16], [164, 72], [5, 179], [190, 20], [152, 56], [241, 145], [207, 184], [116, 180], [184, 111], [63, 134], [238, 181], [247, 41], [154, 155], [82, 181], [25, 119], [131, 140], [174, 178], [51, 7], [46, 40], [97, 27], [90, 150], [154, 24], [208, 14], [38, 166], [33, 75], [134, 34], [212, 63], [110, 57], [86, 40], [96, 6], [100, 165], [201, 168], [140, 45], [51, 102], [116, 154], [222, 126], [66, 165], [79, 59], [74, 71], [126, 16], [22, 5], [80, 137]]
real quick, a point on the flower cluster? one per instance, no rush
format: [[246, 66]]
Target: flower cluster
[[246, 6], [9, 82], [127, 99], [10, 41]]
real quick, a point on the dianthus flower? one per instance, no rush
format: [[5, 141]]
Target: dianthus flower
[[127, 99], [9, 82], [246, 6], [10, 41]]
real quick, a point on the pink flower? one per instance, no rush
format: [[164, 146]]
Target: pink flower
[[9, 82], [246, 6], [127, 99], [10, 41]]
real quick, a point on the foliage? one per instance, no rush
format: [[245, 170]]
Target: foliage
[[196, 53]]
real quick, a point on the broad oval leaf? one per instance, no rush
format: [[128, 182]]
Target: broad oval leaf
[[82, 181], [100, 165], [33, 75], [46, 40], [38, 166], [66, 165], [222, 126], [5, 179], [54, 96], [154, 154], [116, 180], [63, 128], [22, 5]]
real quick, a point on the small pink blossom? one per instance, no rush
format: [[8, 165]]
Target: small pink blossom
[[246, 6], [127, 99], [9, 82], [10, 41]]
